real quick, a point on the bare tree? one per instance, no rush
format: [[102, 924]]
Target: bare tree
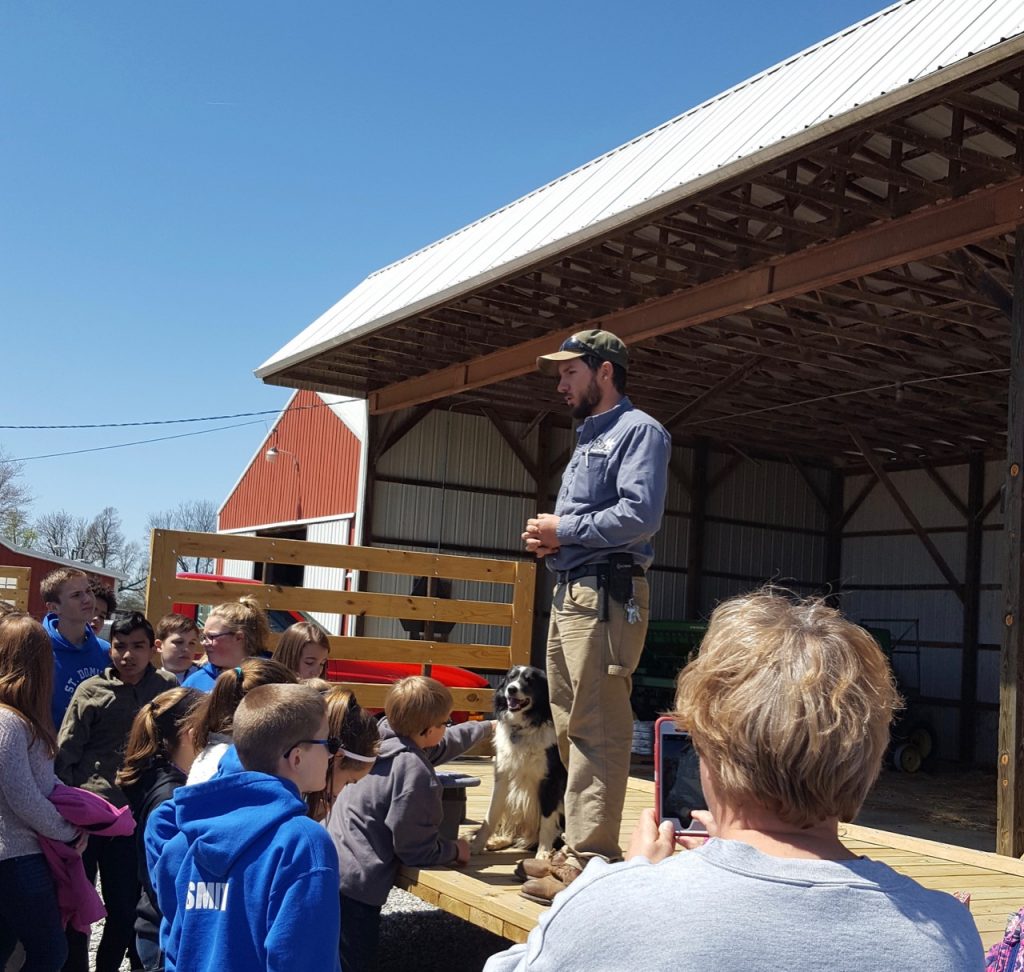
[[14, 501], [199, 516], [55, 532], [105, 539], [131, 560]]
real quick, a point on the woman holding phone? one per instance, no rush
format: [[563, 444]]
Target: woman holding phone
[[788, 705]]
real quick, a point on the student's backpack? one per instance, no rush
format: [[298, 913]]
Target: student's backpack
[[1008, 955]]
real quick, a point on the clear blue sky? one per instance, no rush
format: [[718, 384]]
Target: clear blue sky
[[185, 186]]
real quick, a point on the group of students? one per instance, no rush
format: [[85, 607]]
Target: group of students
[[236, 769]]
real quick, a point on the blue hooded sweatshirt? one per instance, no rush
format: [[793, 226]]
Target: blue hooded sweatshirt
[[249, 881], [72, 664], [203, 679]]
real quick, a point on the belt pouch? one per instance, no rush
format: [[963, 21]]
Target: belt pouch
[[620, 577]]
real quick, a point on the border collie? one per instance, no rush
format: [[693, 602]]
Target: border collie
[[529, 779]]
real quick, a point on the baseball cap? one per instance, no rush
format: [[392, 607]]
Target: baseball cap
[[601, 344]]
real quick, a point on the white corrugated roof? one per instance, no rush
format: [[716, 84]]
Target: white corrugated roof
[[912, 42]]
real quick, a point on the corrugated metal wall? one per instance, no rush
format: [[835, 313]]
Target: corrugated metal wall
[[888, 574], [315, 475], [238, 568], [763, 524], [453, 484], [328, 578]]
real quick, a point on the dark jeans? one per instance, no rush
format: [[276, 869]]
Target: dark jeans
[[29, 914], [360, 935], [114, 858], [150, 957]]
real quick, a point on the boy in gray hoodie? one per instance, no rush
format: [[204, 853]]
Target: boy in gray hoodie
[[392, 817]]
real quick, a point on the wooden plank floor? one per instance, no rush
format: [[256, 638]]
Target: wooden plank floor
[[487, 892]]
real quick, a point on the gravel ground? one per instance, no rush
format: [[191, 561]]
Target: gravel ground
[[439, 941]]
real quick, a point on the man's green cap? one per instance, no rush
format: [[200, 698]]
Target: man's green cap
[[601, 344]]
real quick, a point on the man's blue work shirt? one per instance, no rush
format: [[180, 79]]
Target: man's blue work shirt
[[613, 490]]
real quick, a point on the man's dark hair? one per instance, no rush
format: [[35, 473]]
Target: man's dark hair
[[134, 621], [106, 594], [593, 362]]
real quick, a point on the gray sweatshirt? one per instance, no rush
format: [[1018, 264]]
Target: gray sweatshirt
[[392, 817], [26, 781], [729, 907]]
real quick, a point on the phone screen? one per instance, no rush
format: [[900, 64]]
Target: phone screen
[[677, 777]]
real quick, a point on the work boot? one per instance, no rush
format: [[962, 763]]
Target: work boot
[[543, 890], [538, 867]]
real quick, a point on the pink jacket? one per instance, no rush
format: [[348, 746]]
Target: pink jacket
[[76, 896]]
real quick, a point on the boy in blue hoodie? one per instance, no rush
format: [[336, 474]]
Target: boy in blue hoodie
[[77, 653], [249, 881]]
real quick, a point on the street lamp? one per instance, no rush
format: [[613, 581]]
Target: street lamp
[[273, 452]]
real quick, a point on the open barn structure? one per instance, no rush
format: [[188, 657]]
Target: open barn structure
[[820, 275]]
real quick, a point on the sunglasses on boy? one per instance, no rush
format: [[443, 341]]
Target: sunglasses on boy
[[332, 743]]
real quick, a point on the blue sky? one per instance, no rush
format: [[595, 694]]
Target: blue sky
[[185, 186]]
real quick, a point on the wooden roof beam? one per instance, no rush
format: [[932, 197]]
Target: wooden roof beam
[[921, 234]]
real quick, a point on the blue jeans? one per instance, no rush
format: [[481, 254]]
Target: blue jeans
[[29, 914], [149, 954]]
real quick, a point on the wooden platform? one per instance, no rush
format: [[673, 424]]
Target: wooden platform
[[487, 892]]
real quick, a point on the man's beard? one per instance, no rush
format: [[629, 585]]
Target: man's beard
[[591, 399]]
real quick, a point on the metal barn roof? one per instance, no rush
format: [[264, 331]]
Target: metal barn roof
[[889, 57]]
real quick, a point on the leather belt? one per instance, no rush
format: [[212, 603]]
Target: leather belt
[[590, 570]]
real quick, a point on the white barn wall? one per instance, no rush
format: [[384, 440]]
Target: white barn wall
[[328, 578], [239, 568], [765, 497], [457, 487], [871, 562], [453, 468]]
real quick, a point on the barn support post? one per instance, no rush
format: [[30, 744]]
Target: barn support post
[[972, 607], [834, 539], [695, 541], [1010, 786]]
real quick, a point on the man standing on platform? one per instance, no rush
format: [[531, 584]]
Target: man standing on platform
[[598, 545]]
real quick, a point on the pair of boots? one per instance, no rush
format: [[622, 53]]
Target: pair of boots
[[544, 877]]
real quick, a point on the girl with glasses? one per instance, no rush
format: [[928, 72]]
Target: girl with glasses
[[233, 632]]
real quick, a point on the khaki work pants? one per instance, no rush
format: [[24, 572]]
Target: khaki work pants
[[590, 666]]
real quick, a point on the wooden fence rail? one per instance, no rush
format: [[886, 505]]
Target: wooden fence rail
[[14, 585], [166, 589]]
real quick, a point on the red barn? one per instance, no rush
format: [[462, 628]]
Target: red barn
[[42, 563], [303, 483]]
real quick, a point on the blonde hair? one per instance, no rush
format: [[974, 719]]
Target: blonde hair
[[416, 703], [270, 719], [246, 617], [294, 639], [26, 675], [155, 732], [216, 712], [348, 721], [789, 705]]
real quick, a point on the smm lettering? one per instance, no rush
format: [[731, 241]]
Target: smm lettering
[[207, 896]]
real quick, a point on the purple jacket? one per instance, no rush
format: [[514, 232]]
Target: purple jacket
[[77, 899]]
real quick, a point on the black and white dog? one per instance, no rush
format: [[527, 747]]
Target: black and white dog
[[529, 779]]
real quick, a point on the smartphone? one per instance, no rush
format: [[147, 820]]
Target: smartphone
[[677, 789]]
